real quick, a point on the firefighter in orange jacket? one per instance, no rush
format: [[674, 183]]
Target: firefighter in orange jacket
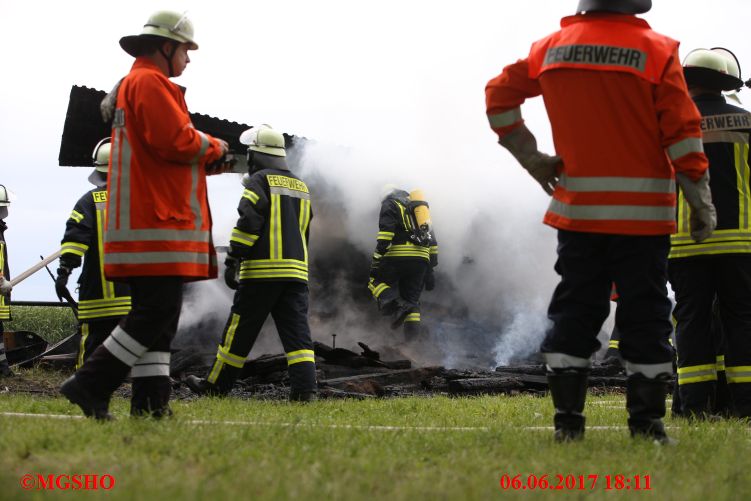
[[158, 227], [620, 115]]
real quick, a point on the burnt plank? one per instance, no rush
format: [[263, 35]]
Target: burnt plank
[[404, 376], [485, 386]]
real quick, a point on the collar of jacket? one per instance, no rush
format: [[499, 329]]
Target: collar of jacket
[[399, 196], [261, 162], [710, 96], [604, 16], [145, 63]]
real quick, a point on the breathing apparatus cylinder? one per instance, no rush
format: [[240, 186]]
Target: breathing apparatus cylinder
[[421, 210]]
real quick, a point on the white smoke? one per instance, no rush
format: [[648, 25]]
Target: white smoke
[[493, 248], [412, 114]]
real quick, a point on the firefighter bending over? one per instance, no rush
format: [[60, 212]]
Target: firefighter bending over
[[269, 249], [620, 114], [406, 253], [101, 303]]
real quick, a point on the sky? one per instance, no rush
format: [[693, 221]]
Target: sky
[[390, 91]]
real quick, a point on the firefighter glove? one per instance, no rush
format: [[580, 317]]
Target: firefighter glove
[[375, 264], [521, 143], [429, 280], [231, 268], [61, 282], [703, 219], [225, 164], [5, 286], [108, 104]]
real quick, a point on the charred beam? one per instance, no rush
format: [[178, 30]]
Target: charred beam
[[485, 386]]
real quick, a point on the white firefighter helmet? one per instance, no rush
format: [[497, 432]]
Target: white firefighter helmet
[[165, 24], [101, 155], [715, 69], [4, 203], [4, 196], [101, 158], [264, 139], [619, 6]]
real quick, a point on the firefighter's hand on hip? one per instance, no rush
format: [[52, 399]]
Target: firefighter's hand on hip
[[5, 286]]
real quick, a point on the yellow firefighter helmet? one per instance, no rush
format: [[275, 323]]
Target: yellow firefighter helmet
[[164, 24]]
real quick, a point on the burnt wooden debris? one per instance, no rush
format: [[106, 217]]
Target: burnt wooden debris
[[21, 346], [345, 373], [361, 374]]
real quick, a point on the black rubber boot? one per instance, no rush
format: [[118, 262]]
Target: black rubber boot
[[91, 406], [612, 359], [302, 382], [411, 331], [676, 410], [150, 397], [568, 387], [722, 403], [388, 302], [5, 370], [740, 395], [303, 396], [403, 309], [698, 399], [102, 373], [645, 402], [202, 387]]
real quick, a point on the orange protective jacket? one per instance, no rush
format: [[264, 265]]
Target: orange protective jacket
[[620, 114], [158, 219]]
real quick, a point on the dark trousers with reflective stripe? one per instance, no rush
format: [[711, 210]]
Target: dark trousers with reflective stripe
[[697, 281], [614, 343], [407, 276], [152, 322], [287, 302], [3, 357], [93, 333], [589, 264]]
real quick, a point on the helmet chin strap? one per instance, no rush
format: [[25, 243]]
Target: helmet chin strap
[[169, 56]]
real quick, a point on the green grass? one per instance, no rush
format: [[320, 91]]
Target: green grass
[[293, 451], [52, 324]]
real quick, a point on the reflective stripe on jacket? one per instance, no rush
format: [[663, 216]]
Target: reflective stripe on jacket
[[271, 235], [620, 114], [97, 296], [158, 219]]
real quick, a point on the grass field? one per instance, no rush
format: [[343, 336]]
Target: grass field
[[400, 448], [406, 448], [53, 324]]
